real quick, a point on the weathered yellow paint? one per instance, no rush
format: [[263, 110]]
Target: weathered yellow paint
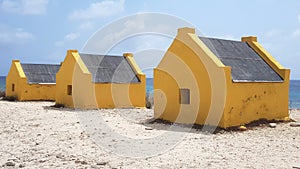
[[89, 95], [247, 102], [214, 98], [24, 91]]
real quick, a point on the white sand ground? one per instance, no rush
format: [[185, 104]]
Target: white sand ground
[[33, 135]]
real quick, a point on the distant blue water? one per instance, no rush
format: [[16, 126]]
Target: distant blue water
[[295, 94], [2, 83], [294, 90], [149, 85]]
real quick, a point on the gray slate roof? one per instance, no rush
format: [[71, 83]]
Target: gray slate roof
[[246, 64], [40, 73], [109, 69]]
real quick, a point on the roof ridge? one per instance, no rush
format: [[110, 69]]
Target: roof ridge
[[40, 64], [216, 38], [101, 55]]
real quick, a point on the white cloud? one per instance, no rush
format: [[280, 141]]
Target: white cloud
[[296, 33], [10, 35], [72, 36], [99, 9], [133, 27], [146, 42], [68, 38], [273, 33], [86, 26], [25, 7], [141, 24], [20, 34]]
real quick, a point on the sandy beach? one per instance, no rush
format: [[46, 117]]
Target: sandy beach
[[35, 135]]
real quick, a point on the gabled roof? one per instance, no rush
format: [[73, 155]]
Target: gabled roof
[[246, 64], [109, 69], [40, 73]]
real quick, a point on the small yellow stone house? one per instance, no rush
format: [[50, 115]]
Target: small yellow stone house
[[31, 81], [219, 82], [89, 81]]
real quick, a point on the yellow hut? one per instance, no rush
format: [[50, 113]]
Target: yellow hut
[[31, 81], [89, 81], [219, 82]]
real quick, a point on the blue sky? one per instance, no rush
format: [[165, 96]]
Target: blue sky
[[40, 31]]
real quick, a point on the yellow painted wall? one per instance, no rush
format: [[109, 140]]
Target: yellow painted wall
[[121, 95], [14, 77], [166, 96], [38, 92], [89, 95], [204, 77], [64, 78], [84, 94], [215, 98], [23, 90], [247, 102]]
